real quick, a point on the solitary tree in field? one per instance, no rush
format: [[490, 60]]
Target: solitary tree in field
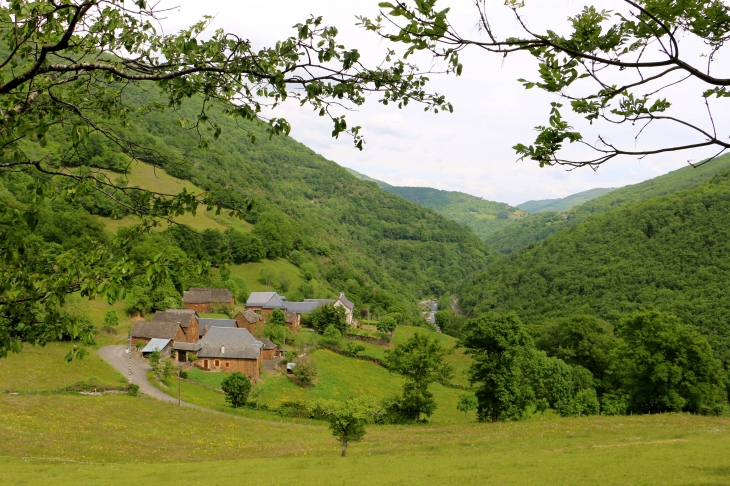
[[236, 386], [611, 67], [67, 67], [347, 420], [421, 361]]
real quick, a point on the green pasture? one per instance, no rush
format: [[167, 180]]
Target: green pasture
[[120, 440], [43, 368]]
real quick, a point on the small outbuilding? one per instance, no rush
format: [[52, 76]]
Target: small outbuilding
[[207, 300], [157, 344]]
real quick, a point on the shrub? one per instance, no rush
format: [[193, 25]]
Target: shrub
[[331, 335], [353, 350], [133, 390], [236, 386], [387, 324], [111, 319], [305, 371]]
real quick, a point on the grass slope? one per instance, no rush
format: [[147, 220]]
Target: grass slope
[[483, 216], [169, 445], [537, 227], [565, 203]]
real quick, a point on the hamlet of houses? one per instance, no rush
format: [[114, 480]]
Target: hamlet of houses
[[224, 344]]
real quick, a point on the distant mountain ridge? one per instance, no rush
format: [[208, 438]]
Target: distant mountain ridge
[[565, 203], [483, 216], [538, 226]]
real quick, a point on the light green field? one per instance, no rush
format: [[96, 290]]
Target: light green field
[[148, 177], [119, 440], [251, 272], [43, 368], [67, 439], [458, 359]]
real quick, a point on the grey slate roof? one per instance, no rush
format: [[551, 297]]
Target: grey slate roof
[[180, 316], [259, 299], [250, 316], [275, 303], [181, 346], [268, 344], [206, 322], [227, 342], [155, 329], [345, 301], [301, 307], [198, 295], [321, 301]]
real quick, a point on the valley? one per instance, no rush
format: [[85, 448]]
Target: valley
[[190, 295]]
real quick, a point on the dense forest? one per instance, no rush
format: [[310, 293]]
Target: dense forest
[[536, 227], [669, 252], [384, 251], [483, 216]]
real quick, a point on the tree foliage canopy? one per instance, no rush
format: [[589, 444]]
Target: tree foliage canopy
[[611, 66]]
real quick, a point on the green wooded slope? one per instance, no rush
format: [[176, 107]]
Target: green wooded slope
[[483, 216], [537, 227], [377, 247], [565, 203], [671, 252]]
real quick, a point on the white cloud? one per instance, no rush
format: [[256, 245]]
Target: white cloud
[[469, 150]]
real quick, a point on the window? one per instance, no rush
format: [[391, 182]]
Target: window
[[182, 356], [205, 363], [228, 365], [217, 363]]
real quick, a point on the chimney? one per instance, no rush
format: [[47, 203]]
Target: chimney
[[223, 349]]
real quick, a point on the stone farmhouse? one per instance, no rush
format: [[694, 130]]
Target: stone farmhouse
[[264, 303], [248, 319], [172, 326], [227, 349], [206, 300], [217, 344]]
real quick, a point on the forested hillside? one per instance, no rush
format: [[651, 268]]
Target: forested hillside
[[670, 252], [384, 251], [565, 203], [537, 227], [483, 216]]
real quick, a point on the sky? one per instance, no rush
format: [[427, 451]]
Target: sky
[[468, 150]]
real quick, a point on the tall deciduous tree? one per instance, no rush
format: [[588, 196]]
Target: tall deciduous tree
[[499, 346], [666, 367], [421, 361], [611, 66], [65, 69]]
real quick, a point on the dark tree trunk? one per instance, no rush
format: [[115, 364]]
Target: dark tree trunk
[[344, 448]]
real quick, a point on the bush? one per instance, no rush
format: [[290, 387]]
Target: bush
[[236, 386], [184, 375], [353, 350], [331, 335], [305, 371], [111, 319], [133, 390], [387, 325]]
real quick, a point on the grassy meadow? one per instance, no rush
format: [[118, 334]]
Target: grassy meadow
[[69, 439], [120, 440]]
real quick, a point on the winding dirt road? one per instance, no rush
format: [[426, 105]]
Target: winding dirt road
[[115, 356]]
